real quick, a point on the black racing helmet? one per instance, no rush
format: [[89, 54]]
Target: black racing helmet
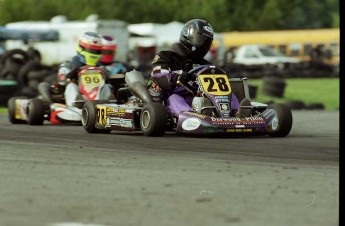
[[196, 37]]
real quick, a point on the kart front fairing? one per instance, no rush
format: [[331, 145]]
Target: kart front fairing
[[198, 124], [91, 80]]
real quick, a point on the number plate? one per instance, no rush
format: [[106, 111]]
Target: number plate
[[218, 84]]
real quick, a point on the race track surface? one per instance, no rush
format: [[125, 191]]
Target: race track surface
[[52, 175]]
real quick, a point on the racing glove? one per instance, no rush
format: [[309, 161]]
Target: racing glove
[[183, 78]]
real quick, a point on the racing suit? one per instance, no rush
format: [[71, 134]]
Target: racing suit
[[168, 67]]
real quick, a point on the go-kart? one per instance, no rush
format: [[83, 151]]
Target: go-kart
[[212, 109], [34, 111]]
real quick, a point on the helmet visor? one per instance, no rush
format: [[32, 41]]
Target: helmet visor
[[89, 50], [201, 40]]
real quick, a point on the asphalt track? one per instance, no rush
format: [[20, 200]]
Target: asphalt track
[[60, 175]]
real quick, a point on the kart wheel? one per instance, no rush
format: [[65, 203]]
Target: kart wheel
[[11, 105], [36, 112], [282, 122], [153, 119], [89, 117]]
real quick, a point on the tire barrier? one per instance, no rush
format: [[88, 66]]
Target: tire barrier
[[10, 63], [304, 69], [8, 88], [315, 106], [295, 104], [253, 90], [273, 86], [24, 71]]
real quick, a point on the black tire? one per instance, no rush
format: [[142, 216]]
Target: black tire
[[34, 54], [315, 106], [273, 91], [11, 105], [89, 116], [11, 61], [273, 86], [253, 90], [36, 112], [282, 123], [295, 104], [154, 119], [26, 68], [12, 54]]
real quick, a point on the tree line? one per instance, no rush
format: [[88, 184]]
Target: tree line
[[224, 15]]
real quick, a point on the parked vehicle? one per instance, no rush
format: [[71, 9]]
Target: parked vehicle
[[261, 54]]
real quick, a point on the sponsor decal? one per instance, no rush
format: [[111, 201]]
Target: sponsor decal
[[235, 120], [191, 124], [108, 122], [222, 98], [116, 111], [208, 28], [224, 107], [248, 130], [101, 113], [21, 108], [226, 115], [195, 114], [122, 122]]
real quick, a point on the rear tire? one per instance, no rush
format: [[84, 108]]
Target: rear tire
[[36, 112], [154, 119], [282, 122]]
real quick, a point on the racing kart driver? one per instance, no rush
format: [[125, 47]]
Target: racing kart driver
[[89, 51], [171, 66]]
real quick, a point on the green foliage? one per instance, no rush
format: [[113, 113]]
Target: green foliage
[[224, 15]]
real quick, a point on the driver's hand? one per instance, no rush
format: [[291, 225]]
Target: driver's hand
[[183, 78]]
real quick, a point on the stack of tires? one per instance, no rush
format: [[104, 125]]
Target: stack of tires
[[273, 86], [21, 72]]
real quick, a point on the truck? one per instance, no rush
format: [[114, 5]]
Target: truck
[[56, 52]]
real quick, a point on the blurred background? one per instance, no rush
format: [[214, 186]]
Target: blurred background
[[282, 46]]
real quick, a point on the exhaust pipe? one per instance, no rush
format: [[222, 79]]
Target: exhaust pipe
[[44, 89], [136, 84]]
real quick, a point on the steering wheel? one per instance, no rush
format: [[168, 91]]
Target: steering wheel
[[197, 68]]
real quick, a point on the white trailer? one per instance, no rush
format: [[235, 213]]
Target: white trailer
[[65, 48]]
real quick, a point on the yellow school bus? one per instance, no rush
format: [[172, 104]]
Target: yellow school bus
[[294, 43]]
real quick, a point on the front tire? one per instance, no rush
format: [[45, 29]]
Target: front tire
[[154, 119], [89, 117], [282, 122]]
